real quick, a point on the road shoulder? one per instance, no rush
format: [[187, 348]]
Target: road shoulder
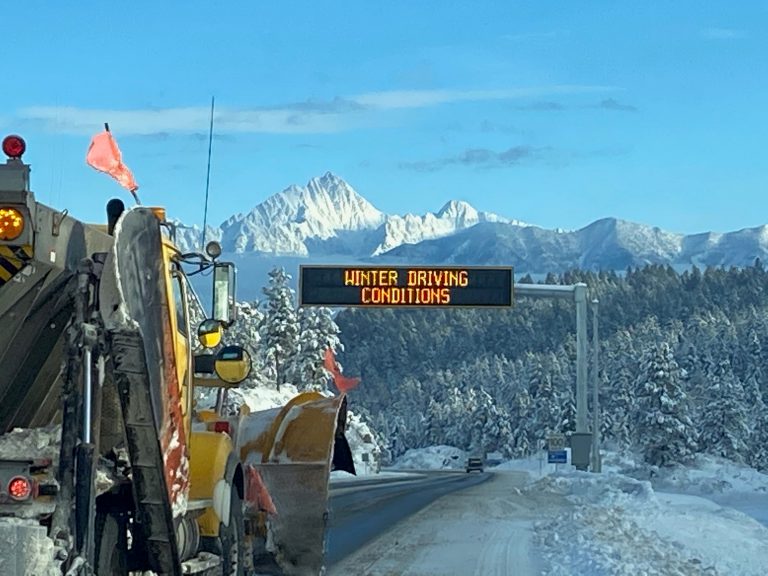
[[484, 530]]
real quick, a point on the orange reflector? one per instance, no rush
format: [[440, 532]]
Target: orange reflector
[[20, 488], [11, 223], [158, 212]]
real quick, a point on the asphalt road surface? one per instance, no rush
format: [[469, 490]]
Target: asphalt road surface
[[361, 511]]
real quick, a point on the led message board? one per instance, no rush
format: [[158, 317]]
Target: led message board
[[411, 286]]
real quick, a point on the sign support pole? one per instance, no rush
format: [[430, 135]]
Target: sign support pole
[[596, 460]]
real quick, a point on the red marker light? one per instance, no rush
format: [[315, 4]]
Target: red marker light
[[20, 488], [14, 146], [221, 427]]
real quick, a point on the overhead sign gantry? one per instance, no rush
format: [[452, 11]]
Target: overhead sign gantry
[[409, 286], [452, 287]]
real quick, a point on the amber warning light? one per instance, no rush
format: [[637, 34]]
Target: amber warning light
[[11, 224], [14, 146], [417, 286]]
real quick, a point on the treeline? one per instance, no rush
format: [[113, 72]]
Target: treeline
[[684, 350]]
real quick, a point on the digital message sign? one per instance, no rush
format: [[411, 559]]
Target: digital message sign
[[412, 286]]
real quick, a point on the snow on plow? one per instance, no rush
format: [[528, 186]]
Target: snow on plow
[[294, 449]]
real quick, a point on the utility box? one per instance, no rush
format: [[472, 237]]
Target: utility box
[[581, 446]]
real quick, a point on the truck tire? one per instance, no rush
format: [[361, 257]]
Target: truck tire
[[232, 538], [111, 546]]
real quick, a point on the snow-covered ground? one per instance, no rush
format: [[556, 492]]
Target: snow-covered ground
[[486, 530], [629, 520], [432, 458]]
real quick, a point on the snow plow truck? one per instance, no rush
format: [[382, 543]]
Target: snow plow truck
[[108, 463]]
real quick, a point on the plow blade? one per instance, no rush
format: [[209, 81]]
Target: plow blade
[[136, 312], [294, 449]]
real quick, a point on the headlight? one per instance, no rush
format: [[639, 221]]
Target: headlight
[[11, 224]]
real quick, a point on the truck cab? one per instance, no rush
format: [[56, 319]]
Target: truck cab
[[474, 463]]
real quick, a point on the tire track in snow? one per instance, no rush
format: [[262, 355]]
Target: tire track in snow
[[486, 530], [507, 551]]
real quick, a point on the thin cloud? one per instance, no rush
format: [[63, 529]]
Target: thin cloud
[[550, 106], [181, 120], [490, 126], [309, 117], [398, 99], [613, 104], [204, 136], [723, 34], [542, 106], [478, 158]]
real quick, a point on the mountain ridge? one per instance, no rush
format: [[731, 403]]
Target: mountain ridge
[[329, 214], [328, 218]]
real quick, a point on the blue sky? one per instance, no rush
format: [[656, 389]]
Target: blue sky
[[554, 113]]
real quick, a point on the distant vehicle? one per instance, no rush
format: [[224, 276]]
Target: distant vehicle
[[474, 464]]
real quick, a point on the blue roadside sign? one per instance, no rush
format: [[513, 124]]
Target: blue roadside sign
[[557, 457]]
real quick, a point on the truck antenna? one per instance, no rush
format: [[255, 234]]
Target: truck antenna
[[208, 175]]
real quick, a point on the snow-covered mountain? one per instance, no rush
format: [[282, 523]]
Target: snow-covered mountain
[[327, 220], [327, 217], [412, 229], [607, 244]]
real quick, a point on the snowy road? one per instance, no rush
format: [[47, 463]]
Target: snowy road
[[360, 512], [483, 530]]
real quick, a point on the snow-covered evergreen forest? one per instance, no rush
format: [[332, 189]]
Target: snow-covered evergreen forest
[[684, 359], [287, 345]]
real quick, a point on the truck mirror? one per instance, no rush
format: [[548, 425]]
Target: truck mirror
[[224, 309], [209, 333], [233, 364]]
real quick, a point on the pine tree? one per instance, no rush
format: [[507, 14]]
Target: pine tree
[[318, 332], [758, 454], [246, 333], [280, 327], [520, 422], [754, 379], [620, 401], [546, 409], [490, 427], [664, 428], [724, 430], [567, 418]]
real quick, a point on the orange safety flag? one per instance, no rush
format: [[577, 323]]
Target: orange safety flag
[[341, 382], [104, 156], [256, 494]]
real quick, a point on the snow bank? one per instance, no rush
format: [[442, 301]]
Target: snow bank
[[536, 465], [705, 475], [30, 549], [620, 525], [366, 452], [34, 442], [262, 397], [432, 458]]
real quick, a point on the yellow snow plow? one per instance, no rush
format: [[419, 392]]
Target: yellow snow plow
[[101, 350], [293, 449]]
